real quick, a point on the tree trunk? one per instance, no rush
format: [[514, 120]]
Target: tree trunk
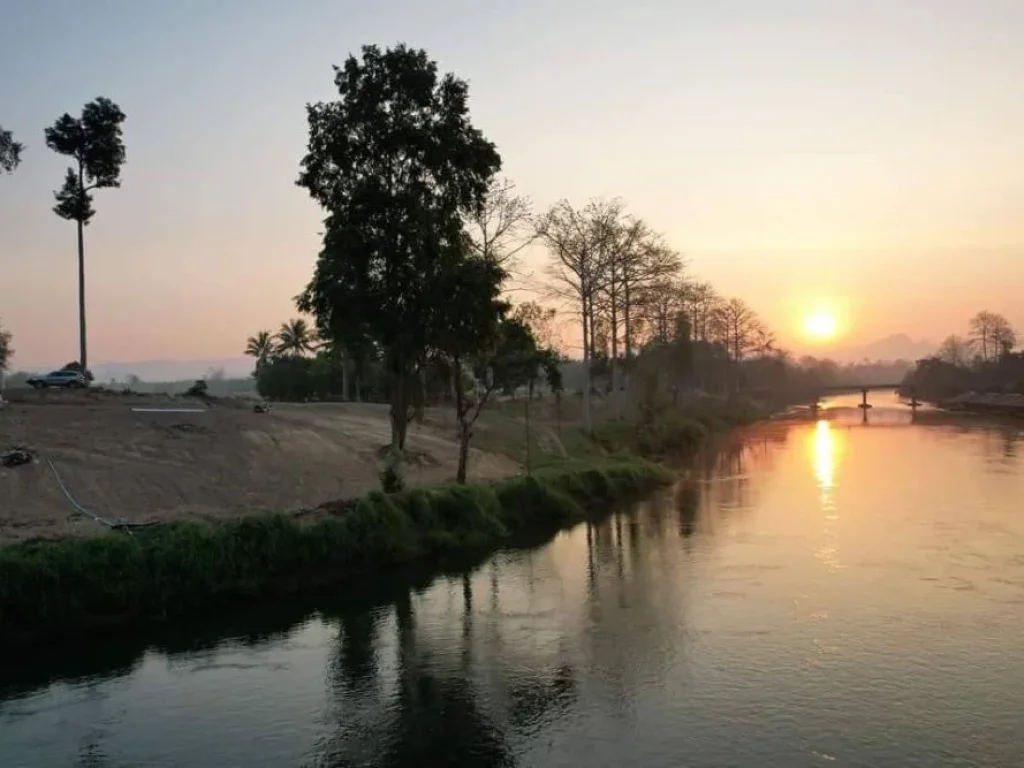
[[82, 352], [616, 373], [588, 331], [627, 339], [527, 415], [460, 474], [399, 406], [461, 411]]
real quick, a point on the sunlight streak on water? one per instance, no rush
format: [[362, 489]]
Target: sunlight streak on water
[[827, 443]]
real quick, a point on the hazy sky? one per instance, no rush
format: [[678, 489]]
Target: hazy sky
[[864, 153]]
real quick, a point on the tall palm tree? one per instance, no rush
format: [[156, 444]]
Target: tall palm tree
[[260, 346], [295, 338]]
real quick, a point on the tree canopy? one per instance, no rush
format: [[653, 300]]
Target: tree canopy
[[94, 141], [10, 151], [398, 166]]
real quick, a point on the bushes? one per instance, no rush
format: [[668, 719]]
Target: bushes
[[52, 587], [679, 432]]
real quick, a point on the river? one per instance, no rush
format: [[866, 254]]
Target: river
[[816, 594]]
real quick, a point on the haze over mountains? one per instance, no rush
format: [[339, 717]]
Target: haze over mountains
[[899, 346], [896, 347]]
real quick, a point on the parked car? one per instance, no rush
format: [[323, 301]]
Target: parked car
[[63, 379]]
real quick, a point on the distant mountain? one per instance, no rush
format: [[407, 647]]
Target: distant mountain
[[896, 347], [169, 370]]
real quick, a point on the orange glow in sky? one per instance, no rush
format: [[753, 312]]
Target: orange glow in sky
[[849, 170]]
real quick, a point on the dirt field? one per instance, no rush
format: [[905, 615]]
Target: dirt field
[[221, 463]]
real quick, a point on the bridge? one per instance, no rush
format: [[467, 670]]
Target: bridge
[[849, 389], [844, 389]]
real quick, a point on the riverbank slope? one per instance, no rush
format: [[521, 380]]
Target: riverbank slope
[[66, 585]]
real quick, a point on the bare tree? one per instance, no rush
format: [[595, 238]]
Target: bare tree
[[701, 303], [955, 350], [763, 342], [503, 226], [579, 242], [992, 334], [637, 259], [658, 307], [740, 326], [540, 320], [646, 262]]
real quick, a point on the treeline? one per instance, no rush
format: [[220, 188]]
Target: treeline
[[421, 242], [981, 360]]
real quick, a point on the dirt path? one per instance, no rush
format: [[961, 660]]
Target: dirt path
[[221, 463]]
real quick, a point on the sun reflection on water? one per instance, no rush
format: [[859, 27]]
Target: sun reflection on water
[[824, 457], [827, 447]]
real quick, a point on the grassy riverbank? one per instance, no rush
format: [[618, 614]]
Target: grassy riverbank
[[62, 586], [678, 433]]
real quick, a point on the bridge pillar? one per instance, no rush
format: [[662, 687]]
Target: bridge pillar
[[864, 404]]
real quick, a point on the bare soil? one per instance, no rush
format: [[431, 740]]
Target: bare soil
[[225, 462]]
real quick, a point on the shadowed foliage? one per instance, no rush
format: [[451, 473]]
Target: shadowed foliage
[[397, 165]]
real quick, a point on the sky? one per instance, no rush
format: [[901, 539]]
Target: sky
[[862, 156]]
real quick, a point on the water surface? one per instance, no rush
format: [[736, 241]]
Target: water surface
[[825, 593]]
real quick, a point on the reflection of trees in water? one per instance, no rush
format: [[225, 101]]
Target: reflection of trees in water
[[91, 756], [722, 476], [686, 500], [437, 719], [1010, 442], [437, 715], [632, 603], [356, 660], [999, 444]]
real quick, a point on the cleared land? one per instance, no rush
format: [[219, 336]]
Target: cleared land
[[222, 463]]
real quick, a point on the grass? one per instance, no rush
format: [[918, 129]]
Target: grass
[[63, 586], [677, 432]]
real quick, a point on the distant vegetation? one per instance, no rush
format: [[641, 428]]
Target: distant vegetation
[[982, 360]]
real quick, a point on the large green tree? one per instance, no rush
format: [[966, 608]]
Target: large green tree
[[10, 151], [398, 165], [94, 143]]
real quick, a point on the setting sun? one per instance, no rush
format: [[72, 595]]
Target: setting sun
[[821, 325]]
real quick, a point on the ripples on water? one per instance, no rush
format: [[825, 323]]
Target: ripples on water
[[818, 594]]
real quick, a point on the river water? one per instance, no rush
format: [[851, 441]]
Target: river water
[[816, 594]]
